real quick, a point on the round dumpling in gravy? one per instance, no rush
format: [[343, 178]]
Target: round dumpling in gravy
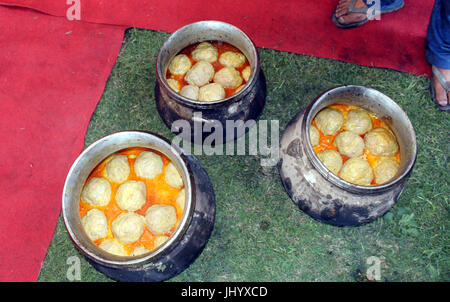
[[173, 177], [174, 84], [113, 247], [331, 159], [97, 192], [329, 121], [95, 224], [118, 169], [131, 195], [211, 92], [160, 240], [228, 77], [200, 74], [160, 219], [128, 227], [205, 51], [349, 144], [357, 171], [190, 92], [381, 142], [181, 198], [246, 72], [180, 64], [358, 121], [385, 170], [139, 250], [148, 164], [314, 135], [232, 59]]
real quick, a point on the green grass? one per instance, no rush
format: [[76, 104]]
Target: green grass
[[259, 234]]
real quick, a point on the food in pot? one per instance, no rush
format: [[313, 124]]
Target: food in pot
[[130, 195], [95, 224], [349, 144], [160, 218], [128, 227], [148, 165], [357, 171], [361, 134], [97, 192], [358, 121], [211, 92], [173, 177], [314, 135], [137, 215], [210, 62], [331, 159], [329, 121], [385, 170], [118, 169], [381, 142]]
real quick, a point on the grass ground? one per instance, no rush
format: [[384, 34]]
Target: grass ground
[[259, 234]]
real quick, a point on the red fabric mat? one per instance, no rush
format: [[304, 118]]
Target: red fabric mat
[[52, 74], [397, 41]]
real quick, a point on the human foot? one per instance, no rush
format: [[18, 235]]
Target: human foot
[[440, 82], [345, 16]]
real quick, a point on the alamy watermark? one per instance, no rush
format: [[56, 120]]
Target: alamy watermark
[[212, 137], [73, 12]]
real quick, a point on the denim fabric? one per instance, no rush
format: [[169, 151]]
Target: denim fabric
[[438, 35]]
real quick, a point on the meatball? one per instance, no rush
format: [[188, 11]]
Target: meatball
[[228, 77], [139, 250], [173, 177], [160, 219], [314, 135], [118, 169], [97, 192], [180, 64], [329, 121], [381, 142], [174, 84], [349, 144], [160, 240], [331, 159], [200, 74], [131, 195], [205, 51], [128, 227], [190, 92], [357, 171], [181, 198], [358, 121], [95, 224], [211, 92], [232, 59], [385, 170], [246, 72], [113, 247], [148, 164]]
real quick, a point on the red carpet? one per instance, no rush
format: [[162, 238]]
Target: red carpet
[[53, 72]]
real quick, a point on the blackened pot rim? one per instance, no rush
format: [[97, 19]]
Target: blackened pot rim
[[160, 75], [92, 251], [312, 110]]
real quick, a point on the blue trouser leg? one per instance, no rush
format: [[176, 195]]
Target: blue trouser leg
[[438, 35]]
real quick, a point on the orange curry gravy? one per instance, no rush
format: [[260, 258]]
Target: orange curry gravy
[[326, 142], [158, 192], [221, 47]]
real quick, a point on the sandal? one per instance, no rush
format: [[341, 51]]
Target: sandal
[[445, 84], [396, 5]]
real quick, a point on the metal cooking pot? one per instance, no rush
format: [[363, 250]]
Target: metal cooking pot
[[245, 105], [185, 244], [319, 192]]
